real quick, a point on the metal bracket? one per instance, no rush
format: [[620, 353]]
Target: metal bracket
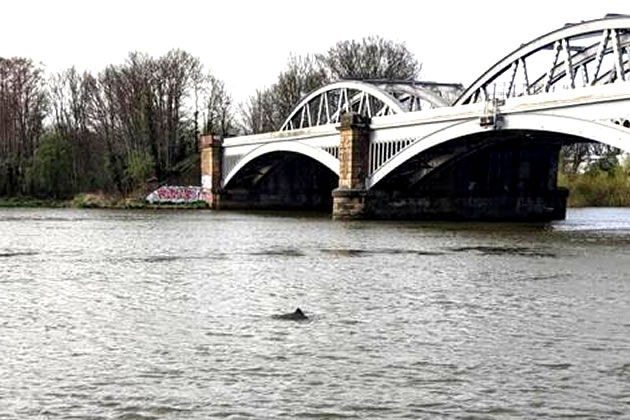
[[492, 118]]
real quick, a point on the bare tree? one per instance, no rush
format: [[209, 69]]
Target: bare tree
[[108, 123], [23, 106], [257, 113], [302, 76], [72, 97], [217, 103], [177, 72], [267, 109], [145, 114], [371, 58], [577, 156]]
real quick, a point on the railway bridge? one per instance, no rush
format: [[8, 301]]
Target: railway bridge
[[400, 149]]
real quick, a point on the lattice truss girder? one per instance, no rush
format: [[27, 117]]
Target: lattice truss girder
[[373, 98], [576, 56]]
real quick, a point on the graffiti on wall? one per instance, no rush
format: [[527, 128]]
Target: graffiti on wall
[[176, 195]]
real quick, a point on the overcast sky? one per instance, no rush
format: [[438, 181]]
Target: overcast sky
[[246, 43]]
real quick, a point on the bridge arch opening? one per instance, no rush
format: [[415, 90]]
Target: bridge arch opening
[[494, 174], [469, 135], [281, 180], [482, 163]]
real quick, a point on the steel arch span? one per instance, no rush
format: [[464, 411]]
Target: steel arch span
[[317, 154], [611, 134], [372, 98], [578, 55]]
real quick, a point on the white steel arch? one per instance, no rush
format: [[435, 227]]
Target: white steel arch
[[325, 105], [370, 98], [577, 55], [318, 154], [610, 134]]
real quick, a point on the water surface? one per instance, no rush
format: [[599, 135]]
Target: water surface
[[167, 315]]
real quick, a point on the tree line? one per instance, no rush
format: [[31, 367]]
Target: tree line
[[140, 121], [73, 132], [595, 175]]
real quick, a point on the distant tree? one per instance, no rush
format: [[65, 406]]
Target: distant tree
[[51, 168], [608, 162], [177, 73], [303, 75], [267, 109], [109, 124], [218, 117], [148, 106], [577, 157], [139, 169], [23, 106], [370, 58], [72, 96], [257, 113]]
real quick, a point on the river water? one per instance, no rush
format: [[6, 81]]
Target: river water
[[167, 315]]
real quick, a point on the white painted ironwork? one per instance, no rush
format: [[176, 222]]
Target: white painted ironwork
[[381, 152], [595, 48], [371, 98], [598, 113], [230, 161], [333, 150], [581, 68]]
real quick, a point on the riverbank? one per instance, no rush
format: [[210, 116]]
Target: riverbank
[[585, 190], [597, 189], [11, 202], [97, 201]]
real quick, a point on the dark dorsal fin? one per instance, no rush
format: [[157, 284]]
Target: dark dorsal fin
[[296, 315]]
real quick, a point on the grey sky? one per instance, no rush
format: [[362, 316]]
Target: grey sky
[[246, 43]]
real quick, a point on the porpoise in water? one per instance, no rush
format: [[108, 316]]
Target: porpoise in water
[[297, 315]]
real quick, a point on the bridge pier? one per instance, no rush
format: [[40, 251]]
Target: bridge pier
[[350, 199], [211, 169]]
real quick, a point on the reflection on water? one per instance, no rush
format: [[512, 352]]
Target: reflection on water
[[167, 315]]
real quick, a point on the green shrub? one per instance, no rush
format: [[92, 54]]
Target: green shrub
[[50, 172], [139, 168], [598, 188]]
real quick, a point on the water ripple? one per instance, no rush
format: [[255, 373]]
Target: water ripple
[[145, 315]]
